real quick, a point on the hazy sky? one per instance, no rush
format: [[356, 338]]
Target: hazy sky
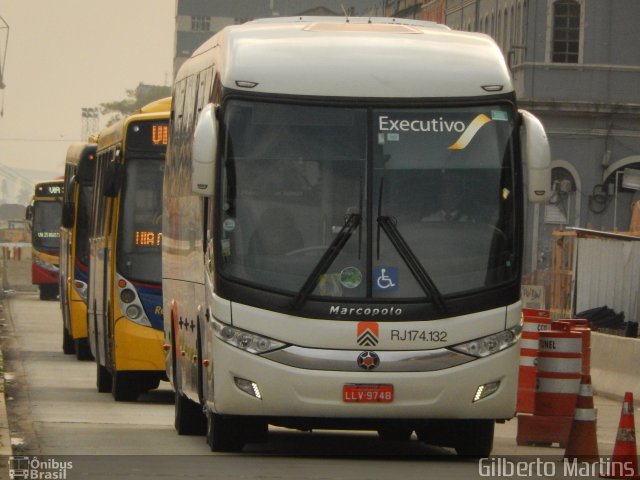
[[64, 55]]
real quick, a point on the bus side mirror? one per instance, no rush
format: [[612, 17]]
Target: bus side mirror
[[203, 153], [68, 215], [112, 179], [28, 215], [536, 156]]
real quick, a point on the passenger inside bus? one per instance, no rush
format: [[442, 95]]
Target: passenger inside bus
[[276, 234]]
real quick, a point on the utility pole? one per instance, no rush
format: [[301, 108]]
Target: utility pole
[[90, 116], [4, 32], [4, 26]]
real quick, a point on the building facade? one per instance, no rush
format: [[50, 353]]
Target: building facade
[[198, 20], [576, 66]]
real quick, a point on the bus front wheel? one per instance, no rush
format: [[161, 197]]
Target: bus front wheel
[[189, 419], [223, 435], [103, 379], [124, 386], [470, 438], [48, 291], [83, 349], [230, 433], [68, 345]]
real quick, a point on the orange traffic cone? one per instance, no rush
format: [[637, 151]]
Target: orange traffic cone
[[583, 443], [624, 461]]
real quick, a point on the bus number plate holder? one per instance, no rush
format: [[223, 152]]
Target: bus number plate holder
[[367, 393]]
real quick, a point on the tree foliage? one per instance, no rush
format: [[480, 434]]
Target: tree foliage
[[136, 99]]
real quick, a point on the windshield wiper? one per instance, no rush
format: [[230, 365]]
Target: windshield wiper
[[351, 222], [422, 277], [418, 271]]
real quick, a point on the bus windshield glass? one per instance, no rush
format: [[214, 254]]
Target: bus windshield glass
[[140, 231], [377, 203], [82, 224], [47, 216]]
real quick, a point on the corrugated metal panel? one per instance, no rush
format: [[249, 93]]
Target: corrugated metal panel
[[608, 273]]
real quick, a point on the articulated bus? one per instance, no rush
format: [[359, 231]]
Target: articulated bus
[[74, 248], [43, 217], [307, 280], [124, 308]]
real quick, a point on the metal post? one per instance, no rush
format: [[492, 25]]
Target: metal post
[[615, 201]]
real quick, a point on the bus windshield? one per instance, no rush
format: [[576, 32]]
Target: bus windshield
[[82, 224], [368, 203], [140, 220], [47, 216]]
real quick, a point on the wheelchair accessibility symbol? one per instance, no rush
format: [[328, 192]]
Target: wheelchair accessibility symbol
[[385, 279]]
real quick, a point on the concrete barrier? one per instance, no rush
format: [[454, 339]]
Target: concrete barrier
[[615, 365]]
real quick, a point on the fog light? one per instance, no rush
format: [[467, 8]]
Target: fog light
[[248, 386], [485, 390]]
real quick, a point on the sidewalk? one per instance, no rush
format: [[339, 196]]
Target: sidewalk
[[5, 437]]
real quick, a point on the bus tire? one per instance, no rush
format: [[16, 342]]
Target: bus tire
[[470, 438], [475, 440], [83, 349], [48, 291], [223, 433], [189, 418], [124, 387], [103, 379], [68, 345]]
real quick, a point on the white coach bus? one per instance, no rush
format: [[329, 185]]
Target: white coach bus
[[343, 229]]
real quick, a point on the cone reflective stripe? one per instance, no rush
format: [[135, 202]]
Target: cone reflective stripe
[[624, 461], [583, 444], [585, 414], [534, 321], [528, 361], [626, 435], [559, 372]]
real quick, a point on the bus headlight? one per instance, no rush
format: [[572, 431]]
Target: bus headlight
[[247, 341], [133, 312], [81, 288], [485, 346], [130, 303], [46, 265], [127, 295]]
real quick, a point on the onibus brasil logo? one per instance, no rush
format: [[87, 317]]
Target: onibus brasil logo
[[38, 468]]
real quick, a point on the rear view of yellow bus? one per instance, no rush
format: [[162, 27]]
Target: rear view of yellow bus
[[74, 247], [43, 217], [124, 307]]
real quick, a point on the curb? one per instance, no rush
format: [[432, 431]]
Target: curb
[[5, 437]]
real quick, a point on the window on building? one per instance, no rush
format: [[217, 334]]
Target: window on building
[[566, 31], [200, 23]]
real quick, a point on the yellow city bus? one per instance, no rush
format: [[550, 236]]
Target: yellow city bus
[[124, 306], [74, 247], [43, 217]]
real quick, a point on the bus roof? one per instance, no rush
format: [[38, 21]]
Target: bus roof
[[354, 57], [79, 150], [115, 133], [161, 105]]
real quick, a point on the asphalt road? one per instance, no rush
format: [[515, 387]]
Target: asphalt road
[[55, 412]]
